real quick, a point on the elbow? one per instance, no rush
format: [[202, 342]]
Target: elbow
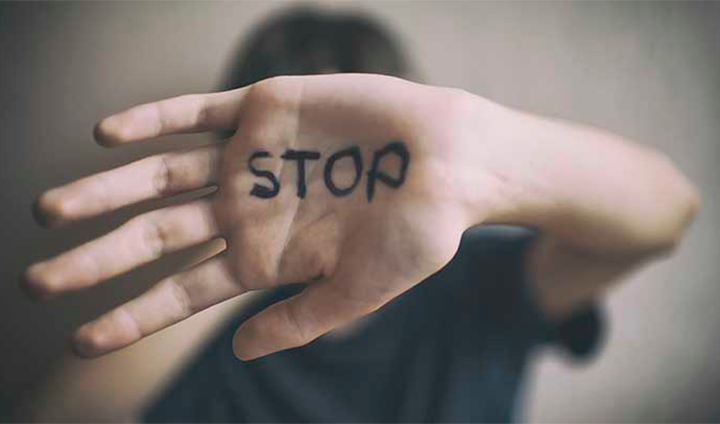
[[687, 209], [682, 203]]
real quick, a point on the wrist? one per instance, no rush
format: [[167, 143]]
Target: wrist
[[497, 170]]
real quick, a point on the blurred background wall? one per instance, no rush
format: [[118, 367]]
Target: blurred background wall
[[646, 70]]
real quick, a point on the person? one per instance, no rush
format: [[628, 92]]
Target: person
[[418, 243]]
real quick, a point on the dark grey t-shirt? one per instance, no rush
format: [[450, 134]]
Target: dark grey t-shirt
[[454, 348]]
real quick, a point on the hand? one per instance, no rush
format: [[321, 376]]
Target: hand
[[349, 183]]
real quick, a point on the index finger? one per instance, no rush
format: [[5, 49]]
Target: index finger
[[191, 113]]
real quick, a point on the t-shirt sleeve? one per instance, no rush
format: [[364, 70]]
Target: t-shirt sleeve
[[582, 333], [495, 257]]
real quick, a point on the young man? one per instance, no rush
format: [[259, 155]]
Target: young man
[[369, 190]]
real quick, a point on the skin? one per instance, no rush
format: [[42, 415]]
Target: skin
[[603, 206]]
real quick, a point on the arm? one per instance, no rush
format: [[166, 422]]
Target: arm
[[603, 204], [359, 185]]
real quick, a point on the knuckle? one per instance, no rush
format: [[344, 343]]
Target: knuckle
[[152, 234], [198, 108], [164, 181], [182, 297], [172, 175]]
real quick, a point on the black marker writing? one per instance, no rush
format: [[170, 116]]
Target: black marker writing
[[396, 148], [260, 190], [354, 153], [374, 174], [300, 156]]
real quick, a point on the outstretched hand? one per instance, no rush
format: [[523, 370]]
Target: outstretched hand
[[352, 184]]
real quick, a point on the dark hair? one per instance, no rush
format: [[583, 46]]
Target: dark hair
[[304, 41]]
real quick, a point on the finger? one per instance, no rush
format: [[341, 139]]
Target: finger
[[153, 177], [298, 320], [140, 240], [190, 113], [171, 300]]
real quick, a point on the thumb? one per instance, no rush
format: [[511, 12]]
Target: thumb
[[299, 320]]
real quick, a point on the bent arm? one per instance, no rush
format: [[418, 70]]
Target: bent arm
[[603, 204]]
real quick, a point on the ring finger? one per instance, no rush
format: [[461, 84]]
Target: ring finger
[[142, 239]]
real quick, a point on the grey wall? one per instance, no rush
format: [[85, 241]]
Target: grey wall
[[647, 70]]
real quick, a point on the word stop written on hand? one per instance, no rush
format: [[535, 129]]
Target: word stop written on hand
[[353, 153]]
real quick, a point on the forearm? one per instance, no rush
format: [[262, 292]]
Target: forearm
[[588, 189]]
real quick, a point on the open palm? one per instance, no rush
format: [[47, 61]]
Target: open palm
[[343, 182]]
